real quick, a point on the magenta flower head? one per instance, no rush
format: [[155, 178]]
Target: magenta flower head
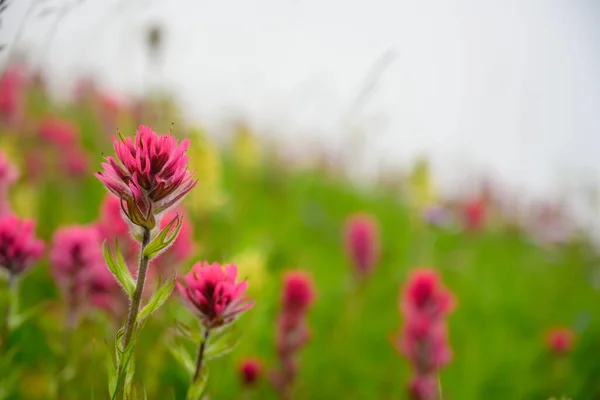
[[362, 242], [425, 295], [213, 293], [75, 253], [58, 132], [150, 174], [560, 340], [298, 292], [250, 371], [19, 249], [12, 84]]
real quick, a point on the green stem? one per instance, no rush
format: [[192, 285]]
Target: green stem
[[9, 307], [200, 358], [134, 307]]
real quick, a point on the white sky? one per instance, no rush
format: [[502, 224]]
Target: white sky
[[508, 85]]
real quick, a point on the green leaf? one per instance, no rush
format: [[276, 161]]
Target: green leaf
[[112, 375], [165, 238], [222, 344], [15, 321], [198, 387], [185, 331], [124, 357], [158, 299], [179, 352], [119, 269]]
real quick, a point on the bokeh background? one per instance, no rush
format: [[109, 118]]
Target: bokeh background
[[304, 113]]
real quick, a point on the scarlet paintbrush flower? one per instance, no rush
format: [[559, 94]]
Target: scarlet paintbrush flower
[[362, 242], [250, 371], [560, 340], [425, 303], [213, 293], [149, 175], [19, 249], [292, 329], [474, 215]]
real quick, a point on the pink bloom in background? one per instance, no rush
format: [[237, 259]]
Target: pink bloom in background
[[292, 329], [214, 294], [78, 267], [474, 215], [75, 162], [12, 84], [362, 242], [180, 251], [250, 371], [149, 175], [8, 176], [19, 249], [560, 340], [112, 223], [59, 132], [425, 304]]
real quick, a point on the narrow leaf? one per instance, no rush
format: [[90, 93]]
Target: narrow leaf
[[158, 299], [222, 344], [119, 269], [165, 238], [182, 355]]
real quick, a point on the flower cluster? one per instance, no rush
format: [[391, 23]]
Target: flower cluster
[[149, 175], [292, 329], [19, 249], [425, 304], [214, 294], [362, 242]]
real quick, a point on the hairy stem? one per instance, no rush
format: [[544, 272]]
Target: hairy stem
[[134, 306], [200, 358], [9, 306]]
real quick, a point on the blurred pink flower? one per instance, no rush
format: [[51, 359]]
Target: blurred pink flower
[[149, 175], [250, 371], [12, 84], [425, 304], [75, 162], [74, 253], [292, 329], [19, 249], [113, 226], [214, 293], [474, 215], [58, 132], [560, 340], [362, 242]]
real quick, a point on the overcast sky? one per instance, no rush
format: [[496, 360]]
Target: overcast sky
[[510, 85]]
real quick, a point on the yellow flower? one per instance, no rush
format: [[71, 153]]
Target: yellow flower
[[206, 161], [251, 264], [421, 186], [246, 149]]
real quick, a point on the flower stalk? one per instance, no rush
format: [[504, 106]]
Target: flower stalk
[[200, 358]]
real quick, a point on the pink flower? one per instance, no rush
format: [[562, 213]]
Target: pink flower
[[425, 303], [19, 249], [250, 371], [59, 132], [11, 94], [112, 224], [75, 251], [362, 241], [292, 329], [79, 270], [474, 215], [560, 340], [214, 294], [75, 162], [298, 292], [425, 295], [149, 175]]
